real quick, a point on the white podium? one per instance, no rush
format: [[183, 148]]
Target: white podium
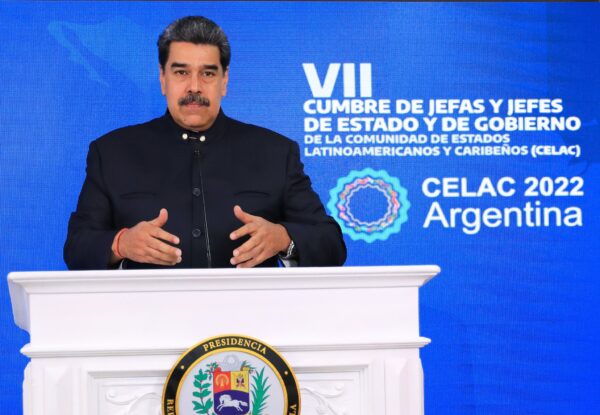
[[103, 342]]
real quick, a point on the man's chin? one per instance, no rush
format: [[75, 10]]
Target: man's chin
[[196, 122]]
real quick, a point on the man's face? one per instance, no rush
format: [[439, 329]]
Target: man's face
[[193, 83]]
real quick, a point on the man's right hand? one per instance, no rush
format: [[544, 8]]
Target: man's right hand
[[146, 242]]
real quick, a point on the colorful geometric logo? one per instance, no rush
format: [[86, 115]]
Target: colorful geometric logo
[[369, 205]]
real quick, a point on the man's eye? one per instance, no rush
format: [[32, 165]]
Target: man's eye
[[180, 72], [208, 74]]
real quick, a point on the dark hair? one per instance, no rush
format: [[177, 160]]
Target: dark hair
[[194, 29]]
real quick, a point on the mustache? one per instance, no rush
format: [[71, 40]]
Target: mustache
[[194, 98]]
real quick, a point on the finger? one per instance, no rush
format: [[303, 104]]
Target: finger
[[246, 256], [151, 256], [242, 231], [161, 219], [158, 257], [155, 261], [164, 248], [164, 235], [252, 262], [247, 246], [241, 215]]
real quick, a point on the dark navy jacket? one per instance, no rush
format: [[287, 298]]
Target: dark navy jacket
[[135, 171]]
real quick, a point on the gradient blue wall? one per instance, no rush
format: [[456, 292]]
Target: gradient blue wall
[[513, 316]]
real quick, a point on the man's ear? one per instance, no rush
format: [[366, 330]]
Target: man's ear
[[225, 82], [161, 77]]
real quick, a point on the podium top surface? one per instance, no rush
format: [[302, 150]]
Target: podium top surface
[[24, 286], [219, 278]]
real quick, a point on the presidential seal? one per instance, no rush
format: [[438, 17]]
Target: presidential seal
[[231, 375]]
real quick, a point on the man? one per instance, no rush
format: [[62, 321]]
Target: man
[[195, 188]]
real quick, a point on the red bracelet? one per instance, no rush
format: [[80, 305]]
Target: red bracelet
[[116, 249]]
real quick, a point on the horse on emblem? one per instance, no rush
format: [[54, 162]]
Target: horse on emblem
[[226, 402]]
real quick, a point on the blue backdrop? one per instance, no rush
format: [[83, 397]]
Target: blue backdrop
[[500, 190]]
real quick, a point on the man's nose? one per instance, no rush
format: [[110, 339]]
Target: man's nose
[[195, 84]]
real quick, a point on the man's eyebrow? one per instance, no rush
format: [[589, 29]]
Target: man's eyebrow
[[185, 65]]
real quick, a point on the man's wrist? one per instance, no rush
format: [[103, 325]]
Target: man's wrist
[[115, 245], [290, 253]]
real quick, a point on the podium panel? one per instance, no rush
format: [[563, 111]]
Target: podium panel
[[103, 342]]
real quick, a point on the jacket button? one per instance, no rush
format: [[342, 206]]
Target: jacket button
[[196, 233], [196, 191]]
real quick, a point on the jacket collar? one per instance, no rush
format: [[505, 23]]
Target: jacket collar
[[214, 132]]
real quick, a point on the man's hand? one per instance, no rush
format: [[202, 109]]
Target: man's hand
[[266, 239], [146, 242]]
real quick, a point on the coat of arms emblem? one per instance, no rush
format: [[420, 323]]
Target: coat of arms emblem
[[231, 391], [231, 375]]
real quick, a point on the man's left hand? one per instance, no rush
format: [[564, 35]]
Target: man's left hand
[[266, 239]]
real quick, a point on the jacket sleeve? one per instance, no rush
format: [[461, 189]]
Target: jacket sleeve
[[317, 236], [91, 232]]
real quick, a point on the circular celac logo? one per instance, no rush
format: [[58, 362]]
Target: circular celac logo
[[231, 375], [369, 205]]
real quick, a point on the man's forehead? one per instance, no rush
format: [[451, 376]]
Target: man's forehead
[[193, 54]]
